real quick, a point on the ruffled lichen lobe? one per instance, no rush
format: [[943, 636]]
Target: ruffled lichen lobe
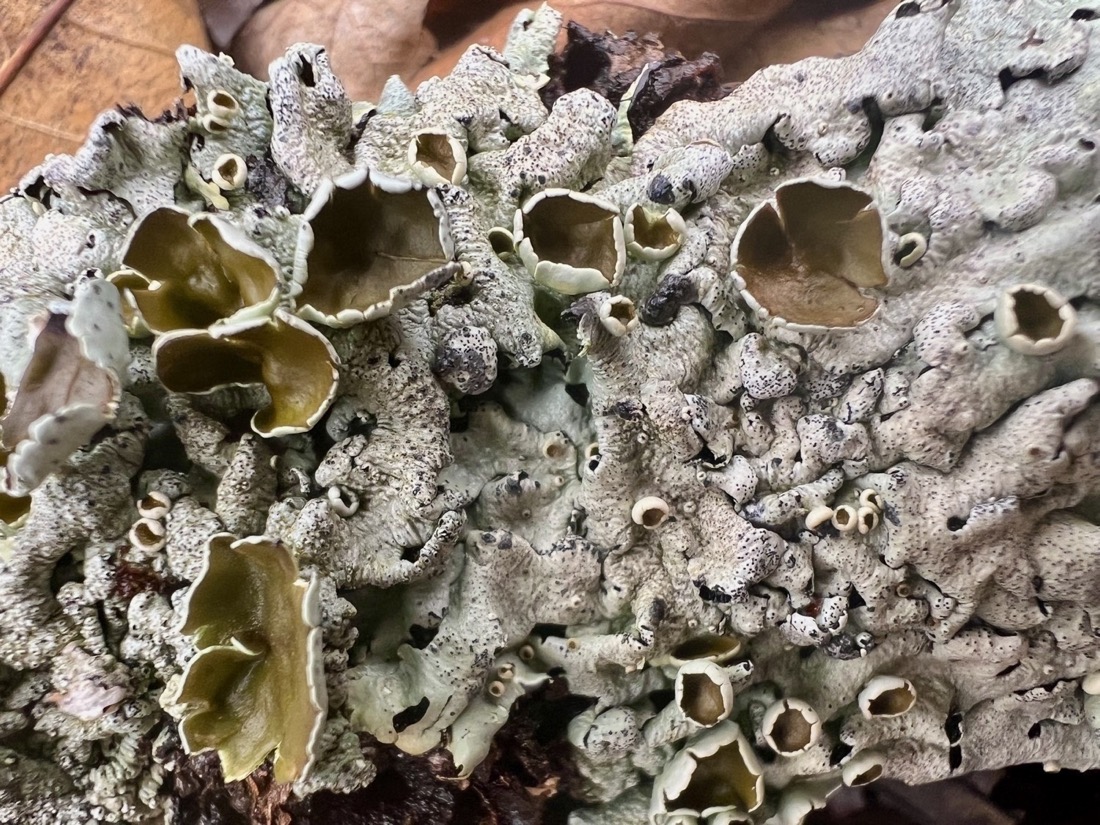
[[254, 685]]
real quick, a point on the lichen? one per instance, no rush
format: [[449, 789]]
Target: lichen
[[785, 409], [253, 686]]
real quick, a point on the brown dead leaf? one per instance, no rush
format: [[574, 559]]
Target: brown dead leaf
[[224, 18], [452, 21], [367, 40], [688, 26], [746, 36], [825, 28], [89, 55]]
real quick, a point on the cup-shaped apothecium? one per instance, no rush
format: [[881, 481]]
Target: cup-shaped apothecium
[[369, 245], [790, 726], [703, 692], [437, 158], [186, 271], [806, 258], [652, 235], [650, 512], [257, 683], [294, 361], [1034, 319], [716, 769], [886, 696], [570, 242]]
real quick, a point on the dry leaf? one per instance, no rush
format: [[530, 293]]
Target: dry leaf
[[420, 38], [828, 28], [687, 26], [224, 18], [746, 36], [367, 40], [91, 55]]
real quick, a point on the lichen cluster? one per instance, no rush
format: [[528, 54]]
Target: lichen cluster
[[773, 431]]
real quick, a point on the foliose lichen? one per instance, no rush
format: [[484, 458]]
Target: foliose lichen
[[772, 431]]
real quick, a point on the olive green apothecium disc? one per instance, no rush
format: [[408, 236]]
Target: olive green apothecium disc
[[717, 768], [257, 682], [368, 246], [190, 271], [804, 259], [295, 362]]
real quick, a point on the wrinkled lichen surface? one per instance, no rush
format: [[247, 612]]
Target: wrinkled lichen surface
[[778, 552]]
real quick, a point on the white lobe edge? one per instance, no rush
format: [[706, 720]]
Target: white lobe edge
[[95, 321], [318, 692], [919, 244], [154, 505], [335, 496], [870, 497], [819, 515], [726, 816], [1090, 684], [860, 769], [867, 519], [51, 439]]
